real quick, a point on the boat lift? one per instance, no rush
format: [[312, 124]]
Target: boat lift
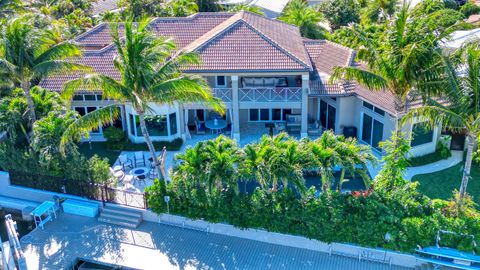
[[440, 257]]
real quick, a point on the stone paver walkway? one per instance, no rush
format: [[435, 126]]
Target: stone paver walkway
[[156, 246], [457, 157]]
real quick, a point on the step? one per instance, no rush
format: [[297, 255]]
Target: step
[[122, 217], [122, 209], [117, 211], [118, 222]]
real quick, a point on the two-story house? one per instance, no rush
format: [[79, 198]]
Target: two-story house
[[264, 71]]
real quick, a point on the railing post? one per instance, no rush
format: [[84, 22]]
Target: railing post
[[145, 199]]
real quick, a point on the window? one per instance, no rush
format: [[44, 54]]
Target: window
[[173, 123], [90, 97], [221, 81], [327, 115], [132, 124], [264, 114], [379, 111], [368, 105], [254, 115], [421, 134], [373, 108], [372, 131], [156, 125], [78, 97], [99, 97], [81, 110]]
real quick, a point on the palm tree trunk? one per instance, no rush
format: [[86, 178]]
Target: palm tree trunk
[[31, 106], [468, 166], [340, 181], [151, 148]]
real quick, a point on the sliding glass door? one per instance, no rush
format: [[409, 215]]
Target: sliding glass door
[[372, 131], [327, 115]]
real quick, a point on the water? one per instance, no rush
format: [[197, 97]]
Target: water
[[23, 227]]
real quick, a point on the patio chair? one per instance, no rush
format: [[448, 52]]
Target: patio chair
[[315, 129], [117, 172], [280, 127], [139, 158], [125, 161], [152, 173], [200, 128]]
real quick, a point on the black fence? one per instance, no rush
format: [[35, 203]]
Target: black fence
[[82, 188]]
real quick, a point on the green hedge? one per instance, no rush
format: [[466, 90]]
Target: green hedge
[[409, 217]]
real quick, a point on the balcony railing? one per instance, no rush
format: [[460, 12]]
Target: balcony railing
[[278, 94], [270, 94], [224, 94]]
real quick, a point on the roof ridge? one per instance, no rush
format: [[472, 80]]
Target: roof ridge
[[96, 27]]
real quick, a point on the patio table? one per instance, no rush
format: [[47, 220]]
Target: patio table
[[217, 125], [140, 173]]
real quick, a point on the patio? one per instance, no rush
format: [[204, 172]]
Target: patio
[[250, 132]]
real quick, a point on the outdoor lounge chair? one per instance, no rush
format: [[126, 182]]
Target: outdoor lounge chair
[[117, 172], [139, 158], [125, 161]]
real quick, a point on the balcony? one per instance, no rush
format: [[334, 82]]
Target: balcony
[[278, 94]]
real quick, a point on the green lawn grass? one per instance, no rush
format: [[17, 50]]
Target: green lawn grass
[[441, 184]]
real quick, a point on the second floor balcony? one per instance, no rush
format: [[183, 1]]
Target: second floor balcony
[[264, 94]]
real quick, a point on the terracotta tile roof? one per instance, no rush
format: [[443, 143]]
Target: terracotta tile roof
[[318, 88], [258, 43], [102, 6], [98, 37], [326, 55], [101, 61]]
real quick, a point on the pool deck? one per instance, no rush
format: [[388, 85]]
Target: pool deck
[[157, 246]]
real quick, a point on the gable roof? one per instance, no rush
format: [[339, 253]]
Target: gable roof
[[248, 41]]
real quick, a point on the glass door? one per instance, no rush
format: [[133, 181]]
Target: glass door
[[327, 115], [372, 131]]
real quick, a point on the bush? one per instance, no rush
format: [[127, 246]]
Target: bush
[[116, 138], [469, 9]]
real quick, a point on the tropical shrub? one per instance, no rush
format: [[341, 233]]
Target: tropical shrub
[[116, 138], [363, 218]]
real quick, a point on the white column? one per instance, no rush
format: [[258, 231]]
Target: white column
[[235, 109], [305, 86]]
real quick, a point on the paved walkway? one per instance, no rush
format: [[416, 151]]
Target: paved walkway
[[156, 246], [457, 157]]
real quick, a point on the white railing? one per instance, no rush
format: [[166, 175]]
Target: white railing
[[224, 94], [270, 94]]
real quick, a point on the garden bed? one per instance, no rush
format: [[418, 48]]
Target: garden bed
[[426, 159]]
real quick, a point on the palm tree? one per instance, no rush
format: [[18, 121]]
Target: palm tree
[[461, 83], [181, 8], [28, 54], [397, 63], [208, 5], [222, 163], [150, 72], [246, 7], [8, 7], [325, 156], [192, 166], [298, 13], [354, 159], [378, 10]]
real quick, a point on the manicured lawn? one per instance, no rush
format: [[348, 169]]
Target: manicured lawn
[[441, 184]]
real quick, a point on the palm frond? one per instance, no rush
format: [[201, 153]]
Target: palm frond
[[59, 52], [53, 67], [435, 116], [365, 78], [84, 124], [95, 82]]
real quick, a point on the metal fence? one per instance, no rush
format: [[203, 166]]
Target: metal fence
[[83, 188]]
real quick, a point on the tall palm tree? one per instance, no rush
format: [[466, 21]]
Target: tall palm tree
[[461, 83], [28, 54], [397, 62], [307, 18], [150, 72], [246, 7]]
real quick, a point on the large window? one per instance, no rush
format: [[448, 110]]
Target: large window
[[157, 125], [265, 115], [221, 81], [421, 134], [373, 108]]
